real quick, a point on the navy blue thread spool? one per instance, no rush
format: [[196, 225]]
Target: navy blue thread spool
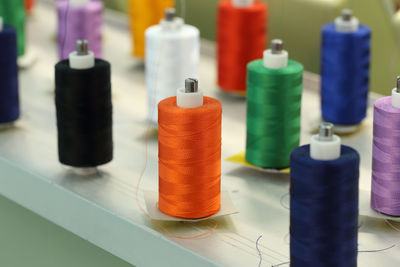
[[84, 111], [324, 203], [345, 59], [9, 100]]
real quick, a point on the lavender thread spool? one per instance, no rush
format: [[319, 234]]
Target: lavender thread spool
[[385, 195], [79, 20]]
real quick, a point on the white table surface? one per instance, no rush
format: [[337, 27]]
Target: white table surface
[[103, 209]]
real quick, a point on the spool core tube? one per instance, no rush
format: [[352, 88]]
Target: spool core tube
[[191, 96], [82, 58], [325, 145], [242, 3], [170, 22], [79, 2], [346, 23], [276, 57], [396, 94]]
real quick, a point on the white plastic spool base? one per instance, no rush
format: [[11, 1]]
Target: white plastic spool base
[[189, 100], [345, 128], [5, 126], [344, 26], [79, 2], [275, 61], [81, 62], [395, 98], [85, 171], [325, 149], [242, 3]]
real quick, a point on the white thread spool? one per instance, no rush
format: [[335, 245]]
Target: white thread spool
[[325, 145], [172, 54], [276, 57], [82, 59]]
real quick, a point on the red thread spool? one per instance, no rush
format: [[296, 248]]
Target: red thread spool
[[241, 38], [189, 144], [29, 5]]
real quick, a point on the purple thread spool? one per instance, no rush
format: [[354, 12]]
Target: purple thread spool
[[77, 22], [385, 196]]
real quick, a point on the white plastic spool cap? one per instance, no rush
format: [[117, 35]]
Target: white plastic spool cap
[[82, 58], [190, 96], [242, 3], [276, 57], [170, 22], [325, 145], [346, 22], [79, 2], [396, 94]]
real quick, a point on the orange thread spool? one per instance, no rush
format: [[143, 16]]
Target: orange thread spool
[[143, 14], [189, 158], [241, 38]]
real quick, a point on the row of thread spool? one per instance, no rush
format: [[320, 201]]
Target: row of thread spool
[[347, 159], [344, 87], [276, 77]]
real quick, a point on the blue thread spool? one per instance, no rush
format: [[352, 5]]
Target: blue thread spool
[[9, 101], [345, 70], [324, 203]]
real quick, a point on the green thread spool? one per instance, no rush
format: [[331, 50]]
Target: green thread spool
[[13, 13], [273, 113]]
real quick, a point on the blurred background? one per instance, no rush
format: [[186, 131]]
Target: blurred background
[[298, 23]]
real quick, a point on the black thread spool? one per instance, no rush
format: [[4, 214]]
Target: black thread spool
[[84, 110]]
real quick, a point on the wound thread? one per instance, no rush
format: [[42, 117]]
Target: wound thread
[[273, 113], [79, 23], [9, 99], [324, 209], [241, 38], [189, 158], [84, 114]]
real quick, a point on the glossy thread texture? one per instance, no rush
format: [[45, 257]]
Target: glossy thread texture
[[385, 196], [273, 113], [241, 38], [189, 159], [9, 101], [345, 74], [84, 114], [79, 23], [324, 209]]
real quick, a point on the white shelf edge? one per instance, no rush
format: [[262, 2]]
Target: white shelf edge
[[117, 235]]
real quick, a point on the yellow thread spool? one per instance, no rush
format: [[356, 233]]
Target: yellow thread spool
[[143, 14]]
